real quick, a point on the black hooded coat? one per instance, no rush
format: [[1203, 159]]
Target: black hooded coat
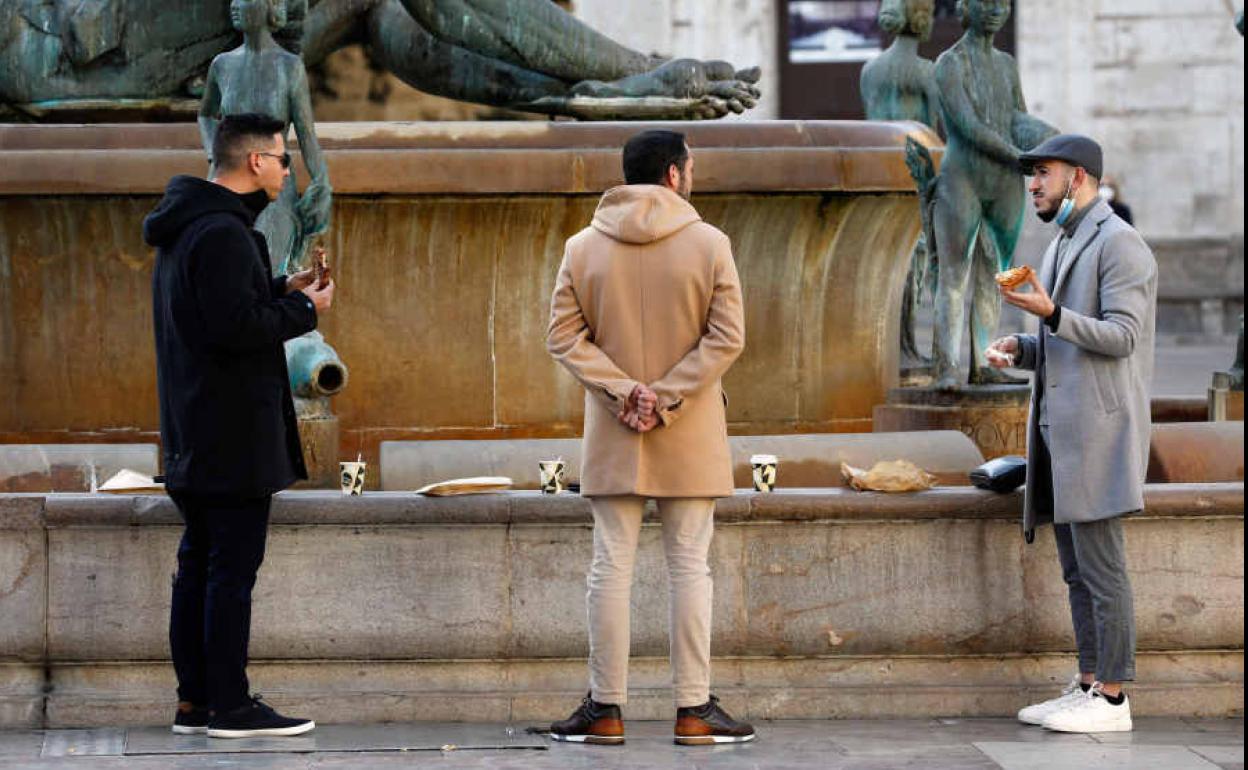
[[227, 419]]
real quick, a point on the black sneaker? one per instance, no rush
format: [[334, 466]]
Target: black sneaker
[[256, 719], [709, 724], [592, 722], [192, 722]]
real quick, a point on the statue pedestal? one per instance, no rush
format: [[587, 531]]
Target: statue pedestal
[[993, 416], [1224, 402]]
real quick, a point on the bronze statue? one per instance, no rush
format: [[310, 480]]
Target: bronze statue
[[1237, 368], [979, 193], [522, 54], [901, 85], [261, 76], [1236, 372]]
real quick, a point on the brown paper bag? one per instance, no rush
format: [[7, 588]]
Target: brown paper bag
[[889, 476]]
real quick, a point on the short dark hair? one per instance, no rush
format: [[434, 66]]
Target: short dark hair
[[648, 155], [239, 135]]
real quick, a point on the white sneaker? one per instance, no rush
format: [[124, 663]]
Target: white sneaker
[[1094, 714], [1036, 713]]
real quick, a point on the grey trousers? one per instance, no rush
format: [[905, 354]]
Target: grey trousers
[[1102, 607]]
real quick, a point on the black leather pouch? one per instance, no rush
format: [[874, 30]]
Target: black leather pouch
[[1004, 474]]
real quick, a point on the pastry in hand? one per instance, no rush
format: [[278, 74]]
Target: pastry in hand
[[1014, 277], [321, 267]]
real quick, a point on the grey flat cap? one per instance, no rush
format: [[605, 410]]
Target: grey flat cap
[[1075, 149]]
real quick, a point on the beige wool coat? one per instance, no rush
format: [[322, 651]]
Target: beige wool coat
[[649, 294]]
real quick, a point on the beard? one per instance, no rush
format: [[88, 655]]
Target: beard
[[1048, 211], [685, 187]]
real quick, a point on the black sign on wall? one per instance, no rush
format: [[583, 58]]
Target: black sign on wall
[[824, 44]]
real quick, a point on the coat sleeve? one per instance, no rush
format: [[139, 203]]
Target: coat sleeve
[[1127, 277], [1027, 350], [719, 346], [235, 314], [569, 339]]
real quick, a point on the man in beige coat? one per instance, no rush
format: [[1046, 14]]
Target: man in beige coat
[[647, 315]]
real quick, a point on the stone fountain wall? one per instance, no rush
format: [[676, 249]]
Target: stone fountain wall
[[446, 239], [828, 603]]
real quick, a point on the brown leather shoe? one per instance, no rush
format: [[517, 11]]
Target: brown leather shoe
[[592, 722], [709, 724]]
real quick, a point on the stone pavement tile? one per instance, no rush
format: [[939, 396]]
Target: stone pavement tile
[[783, 746], [187, 762], [1214, 725], [1175, 732], [780, 745], [1226, 757], [95, 742], [341, 738], [1006, 730], [869, 735], [20, 744], [628, 757], [1028, 756]]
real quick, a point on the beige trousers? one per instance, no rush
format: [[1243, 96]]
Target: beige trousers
[[687, 527]]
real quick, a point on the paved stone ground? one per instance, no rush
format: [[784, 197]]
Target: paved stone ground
[[931, 744]]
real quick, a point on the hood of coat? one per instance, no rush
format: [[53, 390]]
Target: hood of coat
[[188, 198], [642, 213]]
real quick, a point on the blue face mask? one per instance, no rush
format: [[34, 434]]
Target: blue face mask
[[1068, 205]]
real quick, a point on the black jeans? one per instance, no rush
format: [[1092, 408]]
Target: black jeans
[[210, 620]]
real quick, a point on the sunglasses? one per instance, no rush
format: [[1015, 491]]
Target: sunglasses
[[284, 158]]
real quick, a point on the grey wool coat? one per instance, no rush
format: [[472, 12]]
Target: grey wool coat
[[1097, 369]]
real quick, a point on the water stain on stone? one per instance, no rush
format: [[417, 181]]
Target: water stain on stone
[[1188, 606]]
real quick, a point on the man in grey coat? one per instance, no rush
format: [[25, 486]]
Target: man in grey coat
[[1089, 428]]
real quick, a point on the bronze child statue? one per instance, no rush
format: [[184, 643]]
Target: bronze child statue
[[901, 85], [979, 192], [263, 77]]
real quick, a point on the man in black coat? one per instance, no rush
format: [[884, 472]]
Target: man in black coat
[[227, 420]]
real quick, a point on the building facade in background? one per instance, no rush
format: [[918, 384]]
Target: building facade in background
[[1163, 92]]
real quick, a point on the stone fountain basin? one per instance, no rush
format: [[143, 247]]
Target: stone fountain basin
[[828, 603], [446, 240]]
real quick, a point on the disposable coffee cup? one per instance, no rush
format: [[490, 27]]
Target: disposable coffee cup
[[352, 477], [764, 472], [552, 473]]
